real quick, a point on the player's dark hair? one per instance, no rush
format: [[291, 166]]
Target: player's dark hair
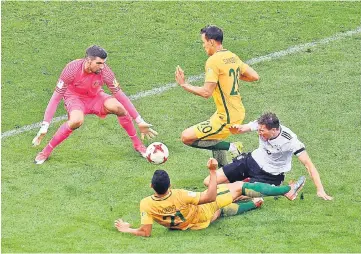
[[270, 120], [96, 51], [160, 181], [212, 32]]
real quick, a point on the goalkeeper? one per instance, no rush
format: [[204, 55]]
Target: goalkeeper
[[80, 85]]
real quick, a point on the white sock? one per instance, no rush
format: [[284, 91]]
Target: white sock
[[232, 148]]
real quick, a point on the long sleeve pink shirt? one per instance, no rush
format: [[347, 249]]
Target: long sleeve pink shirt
[[74, 81]]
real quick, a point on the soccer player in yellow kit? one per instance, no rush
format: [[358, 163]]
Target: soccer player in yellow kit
[[223, 71], [182, 209]]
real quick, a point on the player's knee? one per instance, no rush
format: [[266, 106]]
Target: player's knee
[[76, 123], [186, 138], [114, 107], [238, 185], [120, 111]]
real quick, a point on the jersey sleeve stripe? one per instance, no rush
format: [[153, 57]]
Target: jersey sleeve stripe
[[299, 151], [61, 91], [286, 135]]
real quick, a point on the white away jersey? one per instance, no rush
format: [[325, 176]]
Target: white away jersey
[[275, 156]]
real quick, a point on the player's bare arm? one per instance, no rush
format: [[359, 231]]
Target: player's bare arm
[[306, 161], [143, 230], [205, 91], [249, 75], [210, 194]]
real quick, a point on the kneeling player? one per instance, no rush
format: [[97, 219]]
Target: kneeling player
[[182, 209]]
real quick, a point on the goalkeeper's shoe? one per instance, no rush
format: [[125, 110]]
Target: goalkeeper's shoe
[[141, 149], [41, 158], [238, 151], [295, 188]]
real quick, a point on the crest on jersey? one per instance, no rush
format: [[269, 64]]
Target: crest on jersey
[[96, 83], [192, 194], [115, 83], [210, 70], [60, 84]]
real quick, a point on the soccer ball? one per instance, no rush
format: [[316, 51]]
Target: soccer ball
[[157, 153]]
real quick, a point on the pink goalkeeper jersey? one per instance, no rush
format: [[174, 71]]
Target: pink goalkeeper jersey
[[75, 81]]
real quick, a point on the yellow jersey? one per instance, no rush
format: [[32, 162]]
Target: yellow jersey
[[224, 68], [177, 210]]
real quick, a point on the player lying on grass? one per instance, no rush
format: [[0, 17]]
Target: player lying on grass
[[80, 85], [182, 209], [273, 157], [223, 70]]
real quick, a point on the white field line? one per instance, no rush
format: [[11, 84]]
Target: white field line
[[159, 90]]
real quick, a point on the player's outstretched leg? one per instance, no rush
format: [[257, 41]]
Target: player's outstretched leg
[[194, 137], [255, 190], [241, 207], [62, 133], [263, 189], [127, 123]]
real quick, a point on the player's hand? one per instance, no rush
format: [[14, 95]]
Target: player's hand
[[179, 76], [146, 131], [239, 128], [242, 198], [322, 194], [212, 164], [121, 225], [41, 134], [235, 128]]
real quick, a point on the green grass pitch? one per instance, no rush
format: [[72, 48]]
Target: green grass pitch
[[69, 203]]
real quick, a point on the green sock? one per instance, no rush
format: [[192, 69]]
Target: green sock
[[237, 208], [211, 144], [221, 157], [263, 189]]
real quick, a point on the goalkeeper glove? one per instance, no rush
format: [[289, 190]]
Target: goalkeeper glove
[[41, 133]]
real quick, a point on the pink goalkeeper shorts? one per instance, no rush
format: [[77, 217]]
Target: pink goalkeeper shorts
[[94, 105]]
